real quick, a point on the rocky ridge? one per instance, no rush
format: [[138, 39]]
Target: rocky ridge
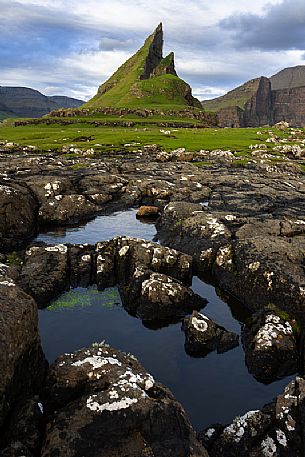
[[263, 101]]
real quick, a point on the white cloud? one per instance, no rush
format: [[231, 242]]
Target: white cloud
[[109, 32]]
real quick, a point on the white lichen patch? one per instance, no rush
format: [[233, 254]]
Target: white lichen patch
[[230, 217], [156, 284], [210, 432], [7, 190], [268, 335], [114, 406], [61, 248], [281, 437], [254, 266], [51, 188], [237, 429], [205, 255], [8, 283], [269, 276], [127, 390], [86, 258], [268, 447], [216, 227], [200, 323], [224, 256], [123, 251], [97, 361]]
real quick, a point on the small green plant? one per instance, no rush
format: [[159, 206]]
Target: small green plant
[[14, 260]]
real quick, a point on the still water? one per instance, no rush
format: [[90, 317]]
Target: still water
[[212, 389]]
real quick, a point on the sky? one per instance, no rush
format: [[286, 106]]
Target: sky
[[69, 47]]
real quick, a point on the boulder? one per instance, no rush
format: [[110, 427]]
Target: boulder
[[18, 216], [44, 273], [25, 425], [133, 253], [16, 449], [275, 431], [66, 209], [105, 264], [202, 335], [270, 347], [22, 363], [157, 297], [148, 211], [81, 265], [101, 402]]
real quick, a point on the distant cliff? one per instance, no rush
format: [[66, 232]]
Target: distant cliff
[[26, 102], [263, 101]]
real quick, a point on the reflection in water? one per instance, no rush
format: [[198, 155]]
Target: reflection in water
[[123, 223], [211, 389]]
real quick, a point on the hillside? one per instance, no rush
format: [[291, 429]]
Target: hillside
[[146, 80], [289, 78], [66, 102], [27, 102], [236, 97]]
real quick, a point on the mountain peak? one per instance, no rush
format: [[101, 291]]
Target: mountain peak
[[145, 80], [155, 52]]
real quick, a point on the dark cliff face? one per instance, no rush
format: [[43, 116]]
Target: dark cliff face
[[258, 110], [155, 53], [289, 105], [263, 101]]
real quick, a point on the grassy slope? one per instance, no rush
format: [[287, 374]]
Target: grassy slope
[[236, 97]]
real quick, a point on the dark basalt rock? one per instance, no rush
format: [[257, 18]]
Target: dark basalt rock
[[16, 449], [25, 425], [202, 335], [155, 296], [22, 363], [277, 430], [133, 253], [18, 216], [81, 259], [194, 230], [270, 347], [44, 274], [102, 396]]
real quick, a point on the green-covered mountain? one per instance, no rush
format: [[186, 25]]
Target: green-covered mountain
[[146, 80]]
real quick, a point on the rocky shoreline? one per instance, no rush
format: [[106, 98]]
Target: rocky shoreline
[[244, 227]]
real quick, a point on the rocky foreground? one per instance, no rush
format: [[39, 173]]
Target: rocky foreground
[[243, 226]]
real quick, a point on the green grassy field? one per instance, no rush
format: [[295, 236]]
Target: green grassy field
[[54, 137]]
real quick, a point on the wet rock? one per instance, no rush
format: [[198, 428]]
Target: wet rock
[[22, 363], [102, 396], [202, 335], [157, 297], [275, 431], [26, 425], [16, 449], [44, 273], [190, 228], [18, 216], [66, 209], [106, 264], [81, 265], [133, 253], [148, 211], [264, 270], [270, 347]]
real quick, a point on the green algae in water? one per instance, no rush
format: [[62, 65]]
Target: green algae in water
[[82, 298]]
